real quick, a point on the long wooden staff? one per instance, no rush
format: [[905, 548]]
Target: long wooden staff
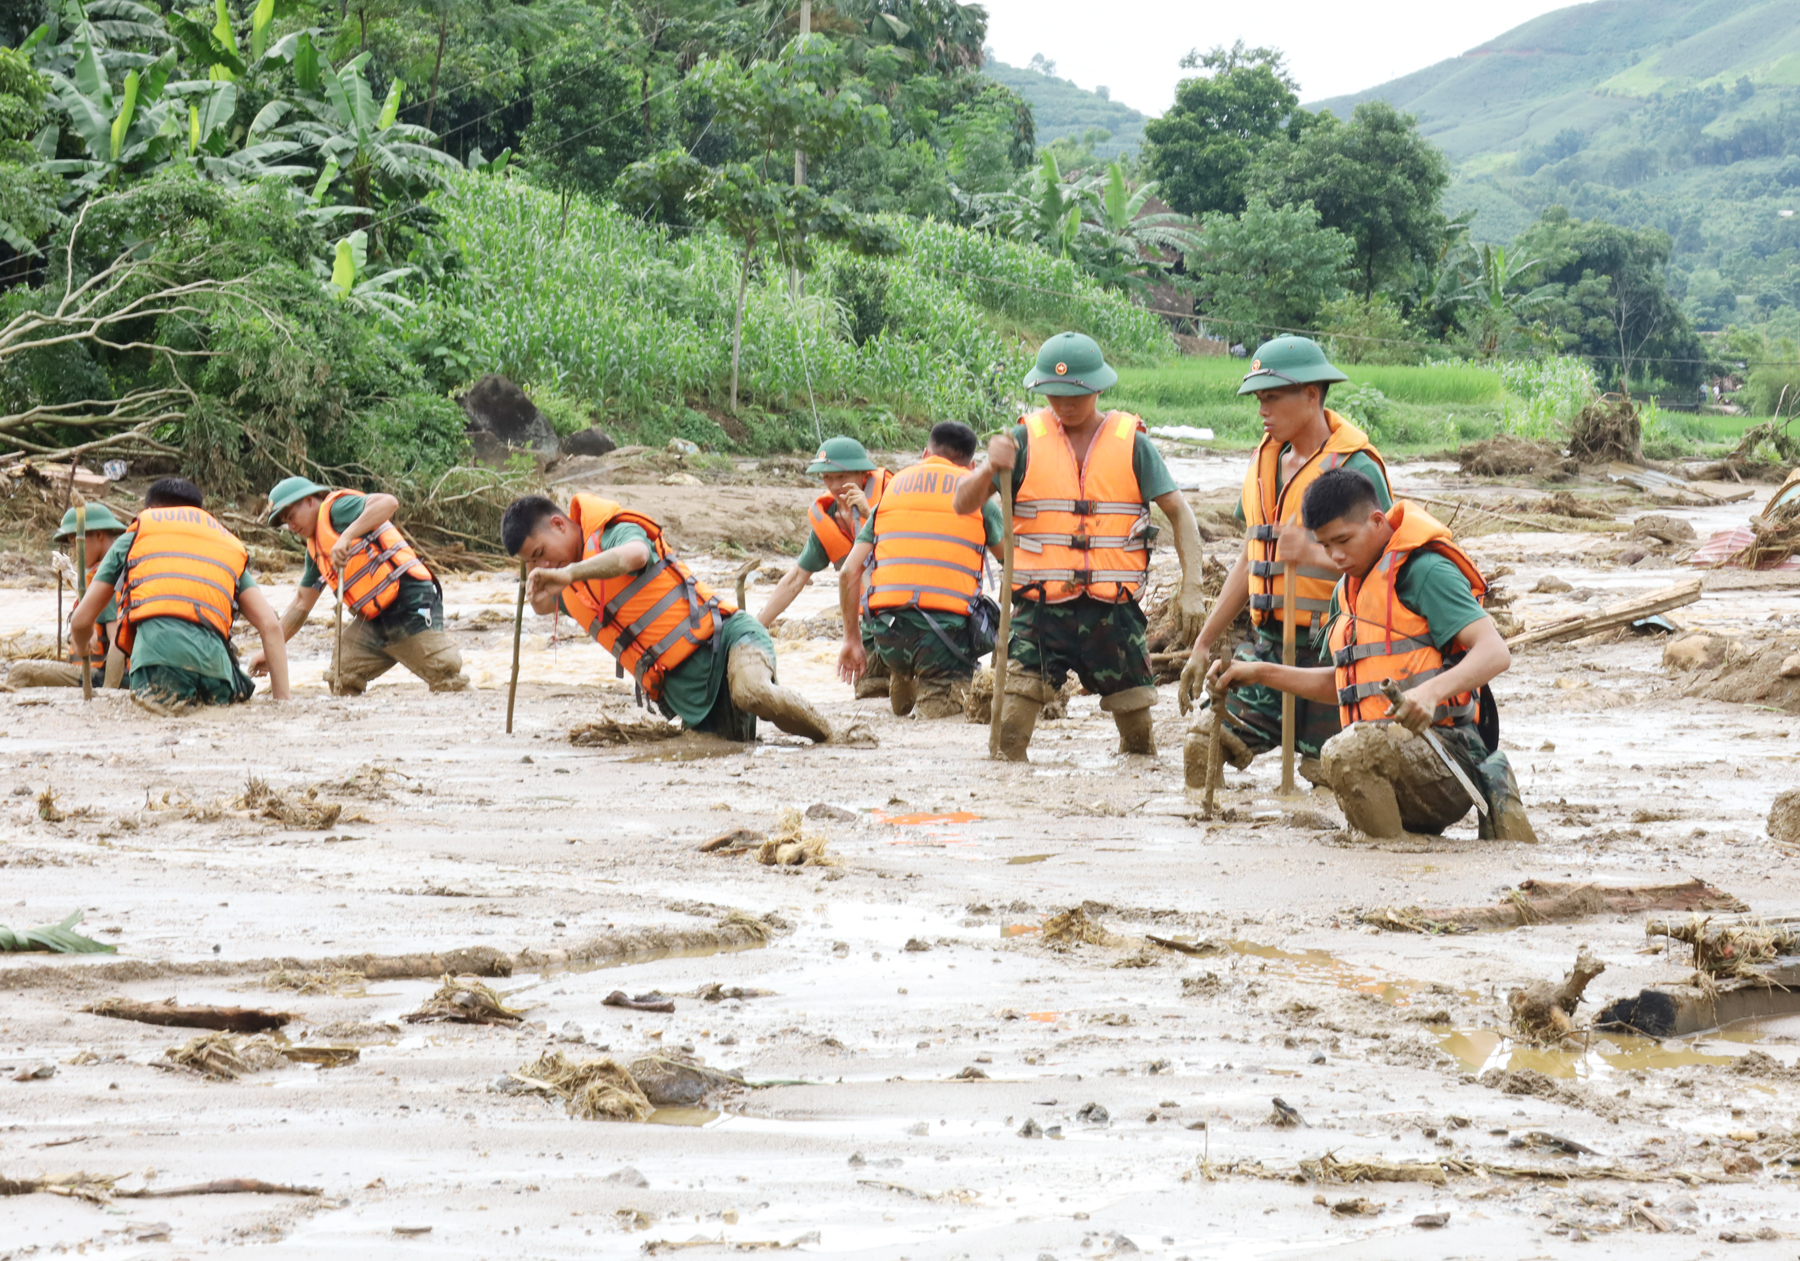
[[1003, 633], [1288, 649], [512, 689], [87, 674], [337, 653]]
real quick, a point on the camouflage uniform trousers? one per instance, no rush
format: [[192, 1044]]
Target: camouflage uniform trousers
[[925, 673], [413, 638], [1388, 780], [1253, 714], [1105, 645], [172, 685]]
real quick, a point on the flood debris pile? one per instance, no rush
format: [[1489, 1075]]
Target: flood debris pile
[[1607, 429], [1542, 1012], [602, 1089], [1740, 948], [1784, 818], [336, 982], [635, 727], [1552, 901], [226, 1056], [1760, 677], [1509, 456], [464, 1001], [791, 844], [1073, 927]]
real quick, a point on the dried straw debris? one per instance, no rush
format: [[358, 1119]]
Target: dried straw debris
[[594, 1090], [792, 845], [465, 1001]]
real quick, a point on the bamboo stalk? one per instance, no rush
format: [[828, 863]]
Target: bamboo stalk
[[1003, 633], [1289, 648], [512, 688]]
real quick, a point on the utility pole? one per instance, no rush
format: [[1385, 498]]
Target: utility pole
[[800, 154]]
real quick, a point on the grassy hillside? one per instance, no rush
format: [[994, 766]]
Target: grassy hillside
[[1062, 109], [1677, 114]]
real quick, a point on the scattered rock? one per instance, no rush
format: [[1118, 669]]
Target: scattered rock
[[627, 1177], [828, 813], [1631, 556], [508, 418], [1431, 1221], [1790, 667], [42, 1072], [682, 479], [571, 1032], [1696, 651], [671, 1082], [1031, 1129], [915, 946], [589, 441], [1741, 1163], [1662, 528], [1753, 679], [1550, 584], [1092, 1114], [1784, 817]]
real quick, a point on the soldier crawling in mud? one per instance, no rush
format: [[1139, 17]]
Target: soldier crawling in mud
[[920, 607], [854, 485], [693, 654], [1083, 483], [1406, 612]]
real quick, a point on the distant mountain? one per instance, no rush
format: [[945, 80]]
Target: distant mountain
[[1677, 113], [1062, 109]]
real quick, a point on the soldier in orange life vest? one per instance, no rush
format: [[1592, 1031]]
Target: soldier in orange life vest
[[921, 566], [854, 485], [1302, 439], [1407, 610], [396, 607], [692, 654], [105, 663], [1083, 482], [181, 580]]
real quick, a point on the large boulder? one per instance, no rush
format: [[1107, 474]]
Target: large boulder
[[589, 441], [503, 419]]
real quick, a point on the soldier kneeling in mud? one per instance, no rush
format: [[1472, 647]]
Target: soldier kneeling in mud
[[693, 654], [104, 663], [1407, 611]]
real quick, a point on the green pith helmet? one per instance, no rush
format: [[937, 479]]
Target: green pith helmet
[[290, 491], [1288, 361], [99, 517], [1070, 363], [841, 455]]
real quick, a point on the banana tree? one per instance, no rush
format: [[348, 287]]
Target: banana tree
[[348, 279], [377, 157], [1496, 299]]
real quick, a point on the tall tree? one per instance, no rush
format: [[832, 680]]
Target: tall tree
[[584, 121], [1201, 151], [1374, 178], [1266, 271]]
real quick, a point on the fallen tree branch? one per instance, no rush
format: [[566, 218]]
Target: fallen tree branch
[[1611, 617], [1553, 901], [227, 1019]]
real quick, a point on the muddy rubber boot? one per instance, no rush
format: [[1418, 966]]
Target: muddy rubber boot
[[1016, 726], [902, 690], [876, 680], [1131, 712], [941, 698], [751, 678]]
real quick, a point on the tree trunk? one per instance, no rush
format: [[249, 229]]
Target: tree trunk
[[644, 102], [564, 225], [436, 66], [737, 326]]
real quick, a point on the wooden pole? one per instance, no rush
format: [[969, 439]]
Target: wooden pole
[[1289, 580], [1003, 634], [512, 688], [337, 653], [87, 674], [1215, 756], [743, 576]]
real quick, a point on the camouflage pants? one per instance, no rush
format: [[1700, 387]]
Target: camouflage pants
[[1387, 779], [904, 642], [1105, 645], [415, 640], [171, 685], [1253, 714]]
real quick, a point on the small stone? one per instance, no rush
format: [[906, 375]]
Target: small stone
[[1697, 651], [1550, 584], [1031, 1129], [828, 813], [1681, 1204], [1631, 556], [856, 1160], [915, 946], [1093, 1114], [840, 948], [571, 1032], [627, 1177], [1790, 667], [43, 1072], [919, 1129]]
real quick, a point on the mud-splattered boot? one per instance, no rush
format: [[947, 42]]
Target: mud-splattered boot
[[1199, 741], [753, 689], [902, 690], [876, 681], [1026, 696], [1131, 712], [942, 698]]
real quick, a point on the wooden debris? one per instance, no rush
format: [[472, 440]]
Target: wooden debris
[[464, 1001], [1553, 901], [736, 841], [1541, 1011], [1199, 949], [229, 1019], [643, 1002], [1612, 616], [224, 1186]]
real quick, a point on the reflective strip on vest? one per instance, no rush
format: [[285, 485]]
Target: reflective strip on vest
[[1274, 568], [926, 555], [160, 580], [377, 562], [1266, 603], [1083, 547]]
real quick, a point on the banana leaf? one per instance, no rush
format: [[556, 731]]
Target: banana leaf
[[59, 939]]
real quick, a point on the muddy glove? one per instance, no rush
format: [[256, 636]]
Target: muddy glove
[[1190, 613], [1193, 680]]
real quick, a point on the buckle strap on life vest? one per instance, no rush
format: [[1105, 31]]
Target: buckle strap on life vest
[[1379, 648], [915, 590], [1356, 693], [1080, 507], [1273, 569], [1262, 602], [1263, 533], [1084, 576], [1035, 540]]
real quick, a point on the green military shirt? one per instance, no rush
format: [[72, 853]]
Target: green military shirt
[[172, 641], [414, 593]]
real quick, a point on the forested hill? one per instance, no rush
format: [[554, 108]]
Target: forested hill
[[1682, 114], [1059, 109]]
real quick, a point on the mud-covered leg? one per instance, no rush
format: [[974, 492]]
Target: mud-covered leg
[[433, 657], [1131, 714], [941, 697], [1356, 765], [1199, 741], [1026, 696], [751, 677], [902, 691]]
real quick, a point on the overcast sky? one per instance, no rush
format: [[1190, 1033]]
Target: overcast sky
[[1333, 46]]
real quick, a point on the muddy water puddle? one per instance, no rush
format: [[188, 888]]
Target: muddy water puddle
[[1603, 1054]]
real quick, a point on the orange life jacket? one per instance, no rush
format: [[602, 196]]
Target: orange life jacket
[[1376, 637], [377, 562], [828, 516], [1266, 509], [182, 563], [926, 554], [1086, 526], [652, 620]]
